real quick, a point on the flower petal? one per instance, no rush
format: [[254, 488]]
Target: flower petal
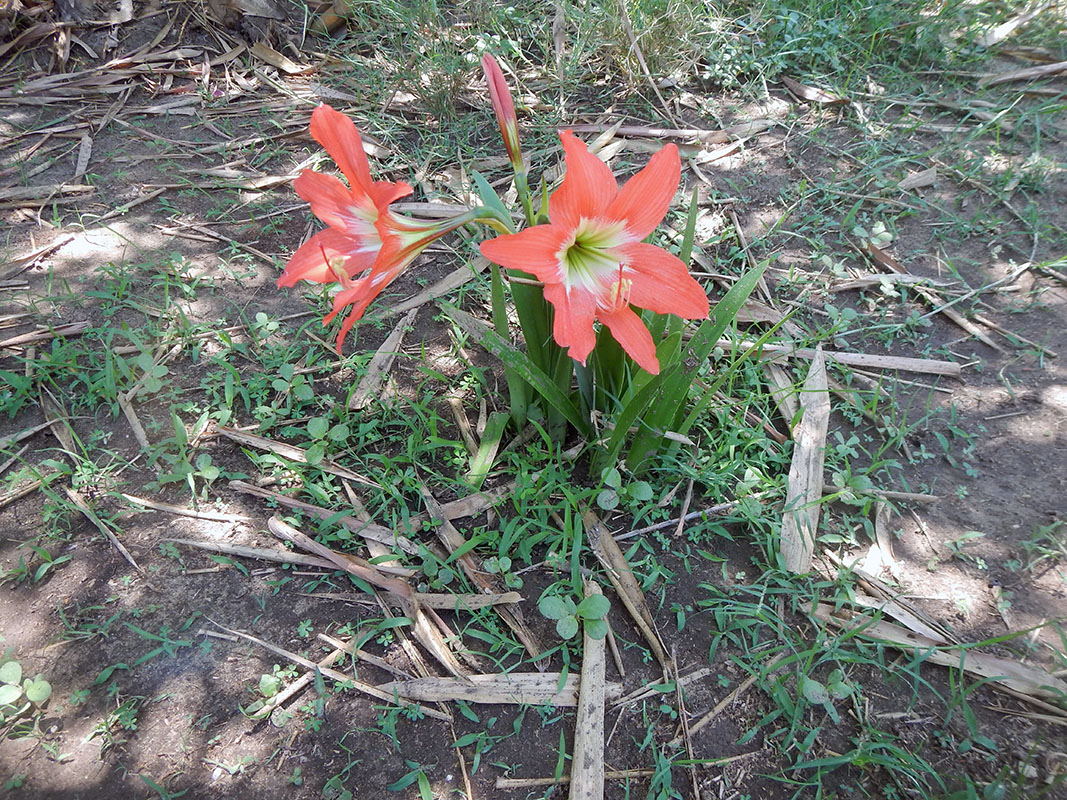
[[338, 134], [630, 332], [382, 193], [644, 200], [308, 264], [334, 204], [533, 250], [661, 283], [588, 186], [572, 325]]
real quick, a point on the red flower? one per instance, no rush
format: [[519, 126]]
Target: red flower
[[366, 246], [591, 258], [504, 109]]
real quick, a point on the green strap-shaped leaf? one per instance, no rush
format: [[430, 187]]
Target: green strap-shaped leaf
[[670, 406], [521, 363]]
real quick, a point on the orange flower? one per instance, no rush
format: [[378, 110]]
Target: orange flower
[[591, 258], [366, 246]]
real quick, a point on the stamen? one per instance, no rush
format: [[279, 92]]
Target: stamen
[[337, 268]]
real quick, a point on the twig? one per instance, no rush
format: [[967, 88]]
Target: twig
[[82, 506], [333, 674], [180, 511], [742, 687]]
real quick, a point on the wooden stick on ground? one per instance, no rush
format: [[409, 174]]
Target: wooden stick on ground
[[333, 674], [82, 506], [804, 488], [587, 763]]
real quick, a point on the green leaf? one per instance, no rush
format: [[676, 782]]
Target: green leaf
[[640, 491], [521, 364], [612, 477], [10, 694], [425, 790], [567, 627], [607, 499], [596, 628], [11, 672], [813, 691], [317, 427], [517, 394], [37, 690], [595, 606], [489, 197], [670, 405], [316, 453], [269, 685], [482, 461], [555, 607], [105, 673]]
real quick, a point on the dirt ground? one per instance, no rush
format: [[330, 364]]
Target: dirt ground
[[149, 678]]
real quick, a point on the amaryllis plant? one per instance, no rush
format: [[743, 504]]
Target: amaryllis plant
[[600, 309]]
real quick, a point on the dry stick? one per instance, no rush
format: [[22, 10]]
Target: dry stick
[[1028, 683], [15, 438], [82, 506], [258, 553], [296, 686], [685, 510], [378, 550], [18, 494], [624, 16], [22, 263], [363, 655], [626, 585], [521, 688], [725, 702], [353, 565], [743, 241], [654, 688], [71, 329], [925, 365], [453, 540], [14, 459], [613, 647], [1010, 334], [213, 516], [292, 453], [683, 716], [804, 485], [464, 425], [370, 384], [587, 762], [340, 677], [721, 508], [531, 783], [368, 530], [424, 630]]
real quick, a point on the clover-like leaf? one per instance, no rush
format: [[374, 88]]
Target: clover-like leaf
[[640, 491], [317, 427], [38, 690], [607, 499], [11, 672], [595, 606], [596, 628], [567, 626], [10, 694], [556, 607]]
